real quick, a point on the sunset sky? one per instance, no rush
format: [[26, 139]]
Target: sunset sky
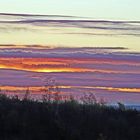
[[86, 46]]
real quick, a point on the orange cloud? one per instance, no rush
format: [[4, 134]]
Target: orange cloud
[[39, 65], [59, 65], [40, 89]]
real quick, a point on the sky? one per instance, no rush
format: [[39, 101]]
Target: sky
[[105, 72], [61, 31], [98, 9], [100, 54]]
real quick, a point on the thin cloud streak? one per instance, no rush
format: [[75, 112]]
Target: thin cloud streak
[[124, 27]]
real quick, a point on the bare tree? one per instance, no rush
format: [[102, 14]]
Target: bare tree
[[52, 90], [27, 93], [88, 98]]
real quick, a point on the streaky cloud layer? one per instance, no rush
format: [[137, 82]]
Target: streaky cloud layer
[[110, 73], [57, 30], [82, 54]]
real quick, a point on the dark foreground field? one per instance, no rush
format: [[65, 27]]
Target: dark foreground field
[[32, 120]]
